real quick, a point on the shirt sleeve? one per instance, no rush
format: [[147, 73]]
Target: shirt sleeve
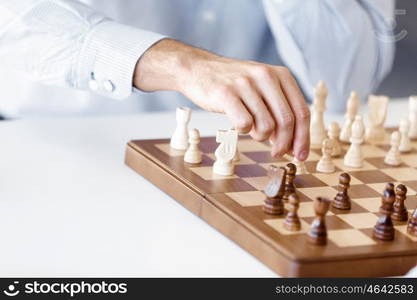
[[348, 44], [66, 43]]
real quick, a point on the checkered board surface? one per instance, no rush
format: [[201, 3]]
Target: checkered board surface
[[349, 232]]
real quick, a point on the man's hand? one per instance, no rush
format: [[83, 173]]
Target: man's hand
[[262, 100]]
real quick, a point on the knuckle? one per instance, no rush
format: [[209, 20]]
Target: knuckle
[[263, 72], [243, 81], [266, 127], [244, 124], [304, 113], [287, 120], [225, 91], [284, 71]]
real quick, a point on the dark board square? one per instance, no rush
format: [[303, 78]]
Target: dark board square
[[307, 181], [263, 157], [372, 176], [355, 208], [332, 222], [361, 191], [250, 171]]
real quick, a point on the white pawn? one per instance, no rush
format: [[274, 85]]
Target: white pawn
[[393, 156], [300, 165], [317, 127], [325, 164], [354, 157], [333, 132], [179, 140], [193, 154], [225, 152], [352, 107], [412, 107], [405, 144]]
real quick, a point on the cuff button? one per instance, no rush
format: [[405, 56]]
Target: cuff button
[[108, 86]]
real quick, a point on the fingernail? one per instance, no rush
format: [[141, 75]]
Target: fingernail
[[303, 155]]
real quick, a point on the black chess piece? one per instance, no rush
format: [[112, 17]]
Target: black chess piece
[[342, 199], [384, 228], [292, 221], [290, 170], [318, 231], [412, 223], [400, 212]]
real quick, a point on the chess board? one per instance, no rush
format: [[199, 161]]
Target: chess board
[[234, 206]]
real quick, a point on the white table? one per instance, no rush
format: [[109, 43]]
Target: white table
[[70, 207]]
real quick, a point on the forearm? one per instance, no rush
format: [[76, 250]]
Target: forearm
[[335, 41]]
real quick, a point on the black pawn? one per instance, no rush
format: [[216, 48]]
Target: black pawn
[[342, 199], [384, 229], [412, 223], [290, 170], [400, 211]]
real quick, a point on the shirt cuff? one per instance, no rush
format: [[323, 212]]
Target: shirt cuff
[[108, 58]]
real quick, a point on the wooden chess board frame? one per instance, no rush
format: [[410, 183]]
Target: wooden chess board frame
[[233, 205]]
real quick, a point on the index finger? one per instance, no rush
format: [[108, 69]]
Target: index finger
[[296, 100]]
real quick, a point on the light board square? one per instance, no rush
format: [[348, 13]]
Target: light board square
[[349, 238], [370, 204], [401, 174], [341, 165], [324, 191], [251, 198], [409, 159], [306, 210], [360, 220], [333, 179], [258, 183], [249, 145]]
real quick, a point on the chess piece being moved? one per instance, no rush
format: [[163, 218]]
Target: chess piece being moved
[[318, 231], [317, 127], [354, 157], [193, 154], [274, 191], [179, 140], [393, 158], [384, 228], [292, 221], [237, 153], [412, 107], [334, 132], [300, 166], [325, 164], [290, 171], [412, 223], [352, 108], [378, 106], [400, 212], [342, 199], [405, 144], [225, 152]]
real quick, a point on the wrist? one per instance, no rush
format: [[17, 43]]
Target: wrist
[[168, 65]]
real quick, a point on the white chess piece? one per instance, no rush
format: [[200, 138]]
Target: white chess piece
[[193, 154], [378, 106], [412, 106], [405, 144], [237, 154], [300, 165], [317, 127], [333, 132], [354, 157], [179, 140], [352, 108], [225, 152], [393, 156], [325, 164]]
